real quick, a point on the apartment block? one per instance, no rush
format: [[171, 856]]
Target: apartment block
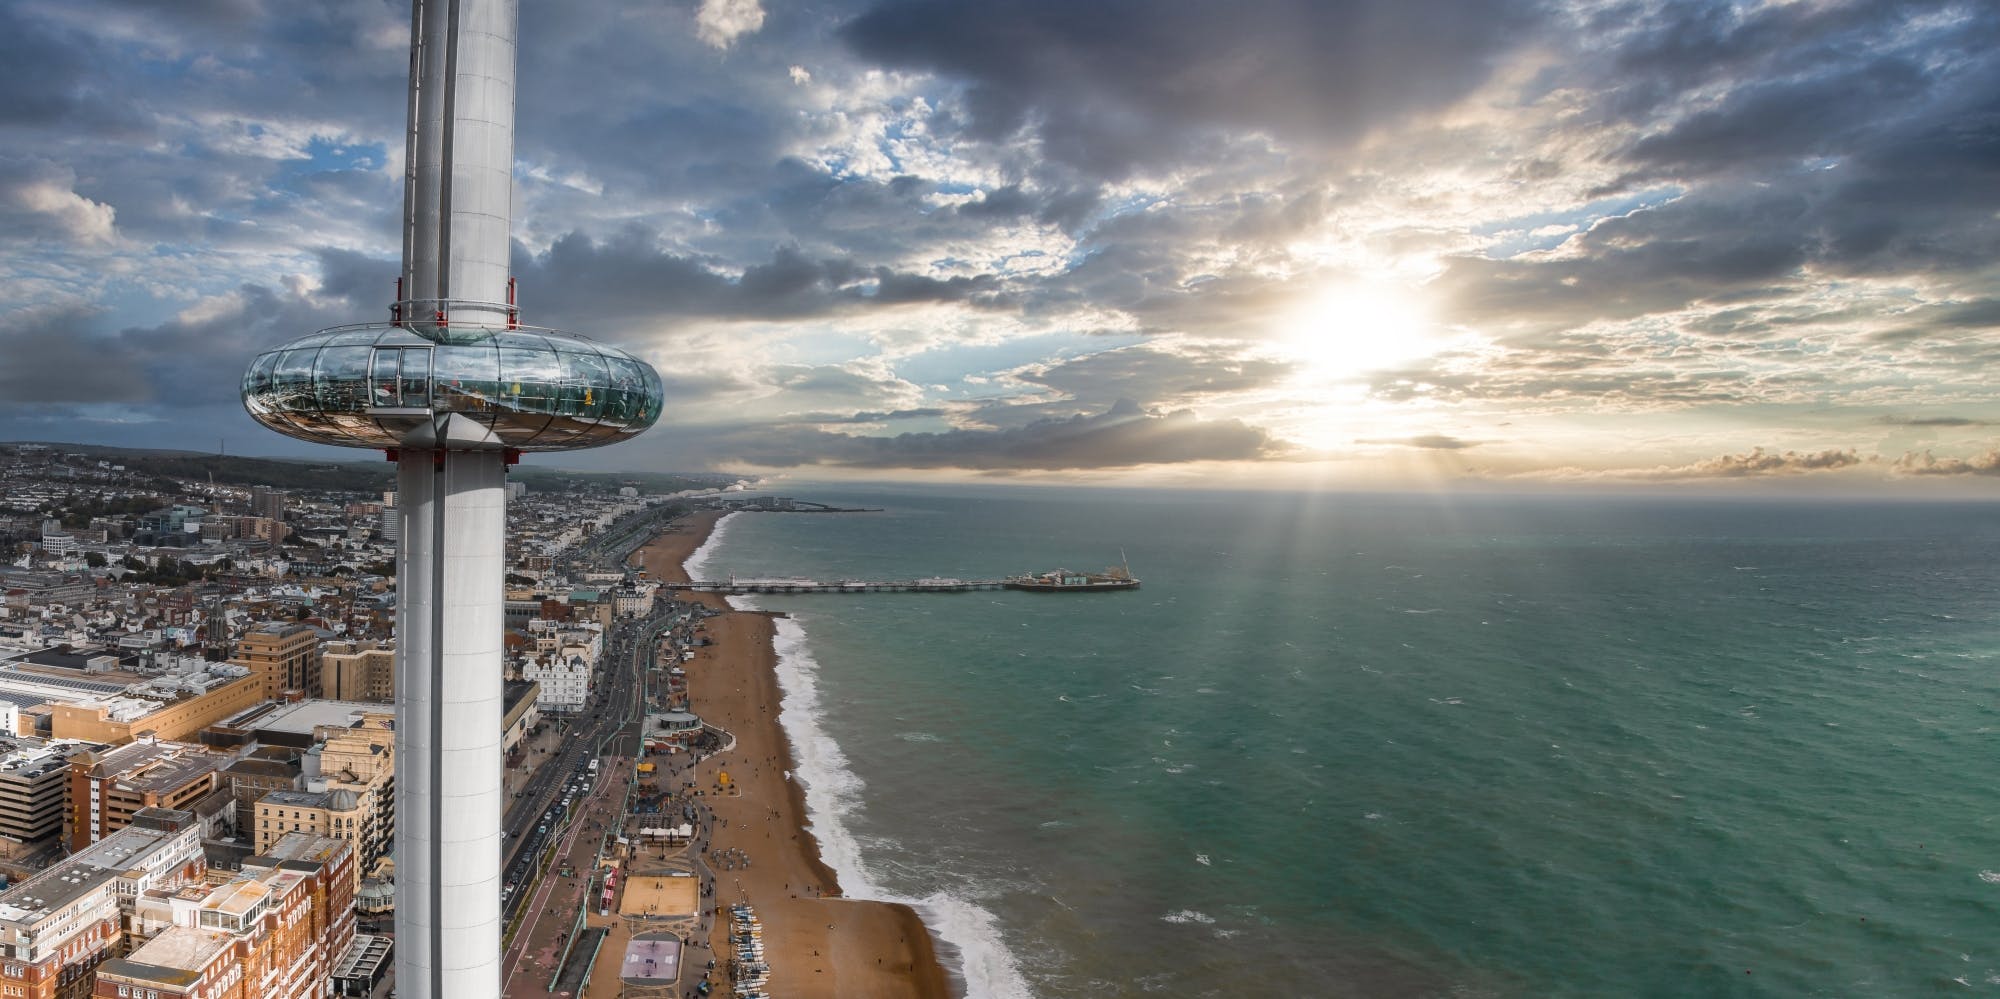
[[56, 927], [284, 656], [34, 776], [274, 931], [358, 671], [108, 788]]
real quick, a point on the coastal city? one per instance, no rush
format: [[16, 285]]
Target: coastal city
[[198, 724]]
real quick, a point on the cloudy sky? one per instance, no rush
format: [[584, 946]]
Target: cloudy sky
[[1346, 243]]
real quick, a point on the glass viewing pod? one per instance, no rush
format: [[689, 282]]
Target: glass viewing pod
[[372, 385]]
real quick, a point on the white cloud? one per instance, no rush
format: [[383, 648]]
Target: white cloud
[[64, 210], [721, 22]]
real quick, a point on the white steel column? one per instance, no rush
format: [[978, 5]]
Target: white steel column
[[459, 187], [448, 720]]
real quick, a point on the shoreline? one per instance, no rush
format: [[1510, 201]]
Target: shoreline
[[819, 943]]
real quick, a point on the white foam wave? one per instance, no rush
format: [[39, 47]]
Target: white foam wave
[[1188, 916], [1990, 877], [987, 969], [698, 560]]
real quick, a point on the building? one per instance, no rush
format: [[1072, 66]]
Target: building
[[274, 931], [267, 503], [523, 713], [284, 656], [338, 814], [108, 788], [361, 759], [34, 777], [249, 779], [562, 682], [455, 391], [632, 601], [57, 926], [120, 719], [358, 671], [342, 746]]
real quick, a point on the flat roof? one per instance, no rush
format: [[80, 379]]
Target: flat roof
[[181, 948], [82, 873], [303, 717], [296, 799], [156, 766], [237, 897], [650, 959], [365, 957], [302, 846]]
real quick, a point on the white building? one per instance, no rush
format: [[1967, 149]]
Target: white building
[[564, 680]]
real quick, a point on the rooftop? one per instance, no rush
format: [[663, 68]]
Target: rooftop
[[87, 870], [306, 848], [306, 717], [155, 766], [180, 948], [296, 799]]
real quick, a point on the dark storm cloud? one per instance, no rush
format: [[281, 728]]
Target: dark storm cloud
[[1425, 442], [1759, 462], [54, 356], [1123, 436], [1949, 319], [1929, 421], [47, 67], [869, 417], [1106, 86], [1655, 260], [1853, 139], [1155, 374], [66, 356], [581, 282]]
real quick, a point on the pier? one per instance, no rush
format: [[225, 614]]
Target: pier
[[840, 586]]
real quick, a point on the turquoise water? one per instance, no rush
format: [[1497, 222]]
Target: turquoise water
[[1405, 746]]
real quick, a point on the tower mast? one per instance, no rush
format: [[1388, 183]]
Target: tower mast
[[453, 388]]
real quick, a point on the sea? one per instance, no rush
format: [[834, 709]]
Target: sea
[[1406, 745]]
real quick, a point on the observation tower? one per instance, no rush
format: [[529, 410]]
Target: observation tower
[[454, 388]]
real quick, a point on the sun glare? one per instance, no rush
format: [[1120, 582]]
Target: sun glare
[[1349, 330]]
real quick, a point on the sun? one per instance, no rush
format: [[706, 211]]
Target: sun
[[1345, 331]]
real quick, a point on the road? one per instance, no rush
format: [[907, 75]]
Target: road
[[610, 728]]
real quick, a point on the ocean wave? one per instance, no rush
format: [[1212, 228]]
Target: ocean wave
[[698, 559], [987, 969], [1188, 916]]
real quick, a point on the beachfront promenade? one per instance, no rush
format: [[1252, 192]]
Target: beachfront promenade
[[841, 586]]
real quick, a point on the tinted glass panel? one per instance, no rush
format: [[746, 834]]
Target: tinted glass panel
[[467, 378], [341, 378], [584, 384], [531, 376], [382, 387], [291, 380], [416, 380]]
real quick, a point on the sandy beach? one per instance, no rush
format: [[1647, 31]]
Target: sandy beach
[[818, 943]]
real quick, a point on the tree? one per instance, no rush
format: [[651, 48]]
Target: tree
[[94, 560]]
